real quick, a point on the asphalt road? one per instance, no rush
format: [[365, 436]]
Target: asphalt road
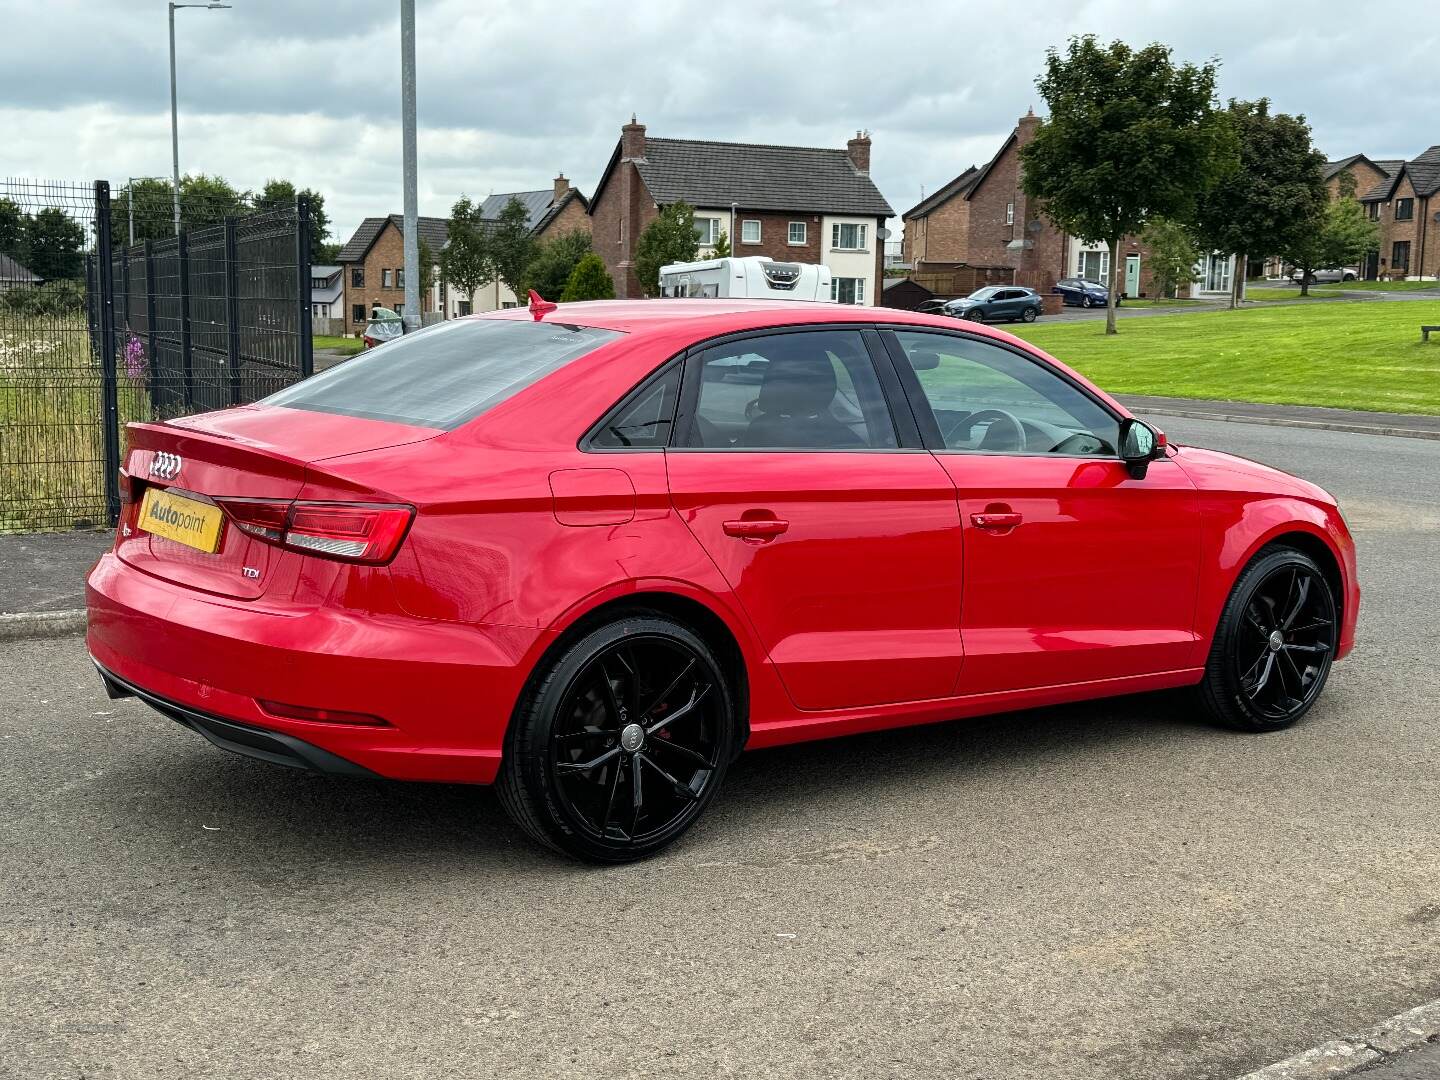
[[1110, 891]]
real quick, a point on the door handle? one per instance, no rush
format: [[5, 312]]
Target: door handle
[[996, 521], [756, 528]]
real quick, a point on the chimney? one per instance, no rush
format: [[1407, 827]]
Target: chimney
[[632, 141], [1027, 126], [859, 150], [561, 187]]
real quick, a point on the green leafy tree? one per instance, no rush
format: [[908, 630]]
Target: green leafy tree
[[511, 247], [1131, 136], [669, 238], [555, 261], [1173, 255], [1274, 198], [279, 194], [1345, 235], [427, 272], [722, 246], [154, 215], [209, 200], [465, 263], [589, 281], [54, 241], [13, 236]]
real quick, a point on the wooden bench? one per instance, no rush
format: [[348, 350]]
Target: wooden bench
[[1425, 333]]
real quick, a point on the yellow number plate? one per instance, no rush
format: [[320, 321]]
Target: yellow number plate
[[186, 521]]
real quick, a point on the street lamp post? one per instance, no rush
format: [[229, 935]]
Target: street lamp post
[[174, 121]]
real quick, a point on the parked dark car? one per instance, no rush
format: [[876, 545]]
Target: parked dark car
[[931, 307], [997, 302], [1078, 292]]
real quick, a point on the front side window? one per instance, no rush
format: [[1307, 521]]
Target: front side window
[[814, 390], [445, 375], [750, 231], [644, 422], [797, 232], [707, 231], [357, 277], [387, 279], [1400, 255], [847, 290], [1373, 210], [1093, 266], [1404, 209], [357, 313], [400, 278], [847, 236], [989, 399]]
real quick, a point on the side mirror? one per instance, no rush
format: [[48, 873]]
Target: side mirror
[[1140, 444]]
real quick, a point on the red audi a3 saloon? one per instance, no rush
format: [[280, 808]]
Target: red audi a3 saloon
[[590, 553]]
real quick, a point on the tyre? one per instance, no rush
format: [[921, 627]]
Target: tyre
[[1029, 314], [1273, 646], [1085, 301], [1348, 277], [975, 315], [621, 742]]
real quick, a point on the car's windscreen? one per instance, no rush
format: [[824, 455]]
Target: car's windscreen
[[445, 375], [984, 294]]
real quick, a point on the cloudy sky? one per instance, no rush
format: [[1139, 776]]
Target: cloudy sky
[[511, 93]]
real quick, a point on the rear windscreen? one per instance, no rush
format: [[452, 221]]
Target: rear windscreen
[[444, 375]]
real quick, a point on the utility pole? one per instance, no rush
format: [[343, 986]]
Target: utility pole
[[411, 314], [174, 112]]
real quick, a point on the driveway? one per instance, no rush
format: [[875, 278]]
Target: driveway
[[1111, 891]]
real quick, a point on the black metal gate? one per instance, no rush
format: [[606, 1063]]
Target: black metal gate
[[93, 336]]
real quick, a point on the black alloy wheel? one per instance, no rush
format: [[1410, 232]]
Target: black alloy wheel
[[1275, 644], [624, 744], [975, 315]]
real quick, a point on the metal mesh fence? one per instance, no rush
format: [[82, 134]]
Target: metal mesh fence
[[95, 334]]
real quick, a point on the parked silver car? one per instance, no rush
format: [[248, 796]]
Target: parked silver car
[[1344, 273]]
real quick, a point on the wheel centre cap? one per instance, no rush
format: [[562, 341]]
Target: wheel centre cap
[[1277, 640], [632, 738]]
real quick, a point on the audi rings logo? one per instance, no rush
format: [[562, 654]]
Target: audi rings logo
[[166, 466]]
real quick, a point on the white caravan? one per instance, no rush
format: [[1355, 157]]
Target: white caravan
[[755, 276]]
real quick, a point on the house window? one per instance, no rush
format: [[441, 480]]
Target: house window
[[317, 282], [400, 279], [463, 307], [357, 277], [357, 312], [1009, 213], [1404, 209], [1400, 255], [750, 231], [1372, 210], [797, 232], [387, 279], [847, 290], [707, 231], [1094, 266], [847, 236], [1217, 273]]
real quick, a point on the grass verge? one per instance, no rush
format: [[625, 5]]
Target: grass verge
[[1348, 356], [345, 346]]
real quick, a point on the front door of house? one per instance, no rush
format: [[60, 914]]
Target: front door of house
[[1132, 276], [1372, 266]]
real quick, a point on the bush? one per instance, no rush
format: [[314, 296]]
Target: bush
[[589, 281], [551, 268], [53, 298]]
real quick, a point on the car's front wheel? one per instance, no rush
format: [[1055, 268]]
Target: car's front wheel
[[621, 743], [1085, 301], [975, 315], [1274, 644]]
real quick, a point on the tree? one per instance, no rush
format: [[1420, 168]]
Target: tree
[[1173, 254], [555, 261], [1274, 198], [1344, 236], [427, 272], [154, 215], [209, 200], [510, 246], [464, 262], [53, 241], [280, 194], [1130, 136], [669, 238], [14, 239], [722, 246], [589, 281]]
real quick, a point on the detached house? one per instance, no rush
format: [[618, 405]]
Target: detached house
[[373, 265], [982, 228], [1405, 204], [791, 203]]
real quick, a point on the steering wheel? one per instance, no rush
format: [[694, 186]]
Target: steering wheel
[[1009, 424]]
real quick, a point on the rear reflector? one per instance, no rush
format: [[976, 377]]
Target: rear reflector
[[318, 716], [353, 532]]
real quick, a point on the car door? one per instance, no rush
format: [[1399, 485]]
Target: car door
[[1074, 570], [802, 477]]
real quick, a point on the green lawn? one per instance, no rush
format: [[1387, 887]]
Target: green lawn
[[1356, 356], [1158, 303], [1380, 286], [347, 346], [1262, 295]]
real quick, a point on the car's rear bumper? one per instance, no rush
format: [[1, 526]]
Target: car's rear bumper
[[445, 691]]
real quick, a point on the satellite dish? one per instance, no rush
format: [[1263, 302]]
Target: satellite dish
[[883, 233]]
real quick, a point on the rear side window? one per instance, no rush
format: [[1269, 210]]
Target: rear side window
[[446, 375]]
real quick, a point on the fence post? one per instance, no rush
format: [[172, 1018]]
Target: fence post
[[232, 310], [109, 394], [150, 353], [182, 256], [302, 287], [125, 287]]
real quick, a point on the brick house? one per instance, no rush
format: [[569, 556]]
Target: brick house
[[982, 222], [791, 203], [1405, 205], [373, 264], [550, 212]]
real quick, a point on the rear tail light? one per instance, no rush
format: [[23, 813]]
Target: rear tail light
[[351, 532], [129, 507]]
